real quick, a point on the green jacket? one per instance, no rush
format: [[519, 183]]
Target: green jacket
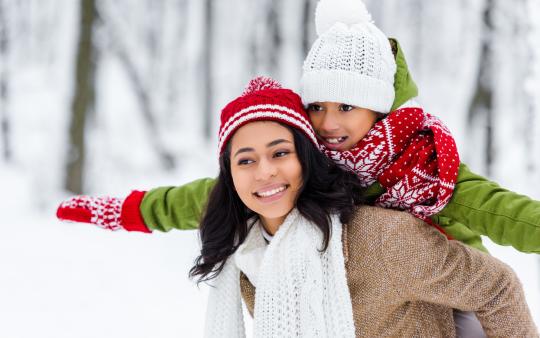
[[478, 206]]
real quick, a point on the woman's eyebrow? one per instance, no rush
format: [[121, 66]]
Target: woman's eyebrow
[[271, 144], [278, 141], [243, 150]]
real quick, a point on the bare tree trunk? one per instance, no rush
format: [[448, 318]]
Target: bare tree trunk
[[308, 26], [207, 78], [253, 41], [4, 84], [482, 104], [531, 132], [275, 35], [140, 87], [266, 41], [418, 8], [83, 99], [173, 88], [167, 159]]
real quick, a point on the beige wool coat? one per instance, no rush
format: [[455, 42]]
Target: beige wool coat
[[405, 278]]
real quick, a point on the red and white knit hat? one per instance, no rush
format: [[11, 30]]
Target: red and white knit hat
[[264, 99]]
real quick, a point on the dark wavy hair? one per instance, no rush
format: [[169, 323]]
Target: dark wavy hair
[[326, 189]]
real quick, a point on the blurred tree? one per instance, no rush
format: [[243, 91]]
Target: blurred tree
[[177, 52], [308, 25], [512, 82], [207, 69], [141, 61], [276, 40], [83, 98], [502, 114], [481, 109], [4, 84], [267, 38]]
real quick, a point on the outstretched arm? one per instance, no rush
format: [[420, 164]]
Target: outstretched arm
[[160, 209], [506, 217], [180, 207]]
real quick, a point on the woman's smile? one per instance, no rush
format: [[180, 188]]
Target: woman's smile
[[271, 193]]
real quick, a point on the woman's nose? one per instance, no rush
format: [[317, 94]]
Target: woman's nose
[[265, 170]]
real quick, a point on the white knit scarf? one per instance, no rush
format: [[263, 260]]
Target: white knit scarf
[[300, 291]]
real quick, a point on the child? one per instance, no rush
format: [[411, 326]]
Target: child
[[351, 62]]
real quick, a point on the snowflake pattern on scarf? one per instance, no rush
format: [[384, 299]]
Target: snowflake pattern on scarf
[[413, 155]]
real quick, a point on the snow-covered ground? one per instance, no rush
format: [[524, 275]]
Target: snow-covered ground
[[70, 280]]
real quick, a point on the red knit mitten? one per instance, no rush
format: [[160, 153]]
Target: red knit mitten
[[109, 213]]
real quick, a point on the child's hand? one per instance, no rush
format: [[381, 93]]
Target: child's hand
[[109, 213], [105, 212]]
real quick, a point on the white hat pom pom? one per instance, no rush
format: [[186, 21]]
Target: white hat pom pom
[[349, 12], [261, 83]]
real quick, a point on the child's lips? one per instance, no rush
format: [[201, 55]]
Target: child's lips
[[334, 143]]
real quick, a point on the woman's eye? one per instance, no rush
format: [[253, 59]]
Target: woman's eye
[[281, 153], [244, 161], [346, 107], [314, 107]]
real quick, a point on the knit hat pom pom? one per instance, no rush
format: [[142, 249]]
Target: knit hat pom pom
[[349, 12], [261, 83]]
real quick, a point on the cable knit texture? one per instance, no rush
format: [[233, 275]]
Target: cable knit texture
[[301, 292], [131, 216], [264, 99], [405, 278], [413, 155], [351, 61]]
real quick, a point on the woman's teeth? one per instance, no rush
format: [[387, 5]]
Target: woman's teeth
[[336, 140], [270, 192]]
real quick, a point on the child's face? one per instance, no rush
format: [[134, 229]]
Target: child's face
[[340, 126]]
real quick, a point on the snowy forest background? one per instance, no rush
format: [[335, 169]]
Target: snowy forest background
[[101, 97]]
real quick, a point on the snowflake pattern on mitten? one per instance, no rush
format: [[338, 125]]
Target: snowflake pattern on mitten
[[104, 212]]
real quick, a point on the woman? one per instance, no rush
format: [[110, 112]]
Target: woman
[[282, 231]]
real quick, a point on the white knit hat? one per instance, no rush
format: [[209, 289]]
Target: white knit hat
[[351, 61]]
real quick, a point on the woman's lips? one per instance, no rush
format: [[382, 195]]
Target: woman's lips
[[271, 194]]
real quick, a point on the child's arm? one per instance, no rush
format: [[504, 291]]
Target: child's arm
[[180, 207], [160, 209], [506, 217]]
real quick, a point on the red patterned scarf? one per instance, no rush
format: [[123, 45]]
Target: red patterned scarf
[[412, 155]]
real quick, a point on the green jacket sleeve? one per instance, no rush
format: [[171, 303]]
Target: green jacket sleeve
[[507, 218], [456, 230], [181, 207]]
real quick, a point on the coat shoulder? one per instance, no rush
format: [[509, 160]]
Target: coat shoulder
[[372, 220]]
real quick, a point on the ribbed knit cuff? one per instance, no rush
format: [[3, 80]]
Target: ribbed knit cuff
[[131, 217], [347, 87]]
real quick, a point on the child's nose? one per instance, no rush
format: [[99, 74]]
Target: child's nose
[[329, 122]]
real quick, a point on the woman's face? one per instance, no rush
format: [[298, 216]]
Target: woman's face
[[266, 171]]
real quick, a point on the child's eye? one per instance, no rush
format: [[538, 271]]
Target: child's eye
[[346, 107], [281, 153], [245, 161], [314, 107]]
